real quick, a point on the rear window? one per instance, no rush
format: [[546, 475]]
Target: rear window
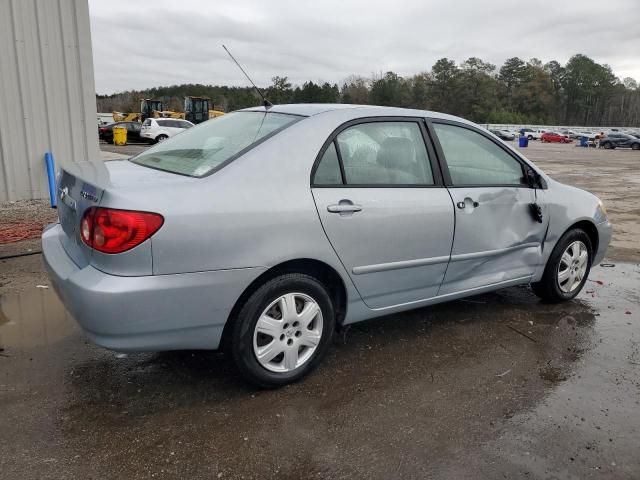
[[200, 149]]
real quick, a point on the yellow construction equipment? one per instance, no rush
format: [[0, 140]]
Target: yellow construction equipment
[[196, 110], [126, 117]]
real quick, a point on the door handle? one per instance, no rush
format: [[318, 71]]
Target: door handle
[[467, 202], [344, 208]]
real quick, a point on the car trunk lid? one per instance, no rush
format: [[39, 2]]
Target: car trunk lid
[[78, 190], [119, 185]]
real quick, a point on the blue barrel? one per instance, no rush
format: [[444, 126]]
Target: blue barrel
[[523, 142], [584, 141]]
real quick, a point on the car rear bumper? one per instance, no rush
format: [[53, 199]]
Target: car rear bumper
[[145, 313]]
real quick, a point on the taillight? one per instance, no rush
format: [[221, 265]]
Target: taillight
[[115, 231]]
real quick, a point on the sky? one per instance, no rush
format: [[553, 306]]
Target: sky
[[146, 43]]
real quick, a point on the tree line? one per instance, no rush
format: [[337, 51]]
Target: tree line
[[581, 92]]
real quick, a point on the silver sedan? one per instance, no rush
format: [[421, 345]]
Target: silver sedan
[[264, 230]]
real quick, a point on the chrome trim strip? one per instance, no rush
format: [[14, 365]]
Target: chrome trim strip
[[491, 253], [383, 267]]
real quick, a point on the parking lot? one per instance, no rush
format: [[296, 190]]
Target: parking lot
[[495, 386]]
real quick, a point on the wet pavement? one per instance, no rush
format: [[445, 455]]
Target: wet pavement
[[494, 386]]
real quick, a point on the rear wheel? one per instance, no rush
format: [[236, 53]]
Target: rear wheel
[[567, 269], [282, 331], [161, 138], [607, 145], [635, 146]]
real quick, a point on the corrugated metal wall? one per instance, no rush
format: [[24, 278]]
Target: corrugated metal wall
[[47, 92]]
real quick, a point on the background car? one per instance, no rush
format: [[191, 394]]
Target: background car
[[159, 129], [586, 133], [133, 131], [619, 140], [554, 137], [503, 134], [531, 134]]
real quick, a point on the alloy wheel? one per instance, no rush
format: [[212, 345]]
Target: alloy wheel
[[573, 266], [287, 332]]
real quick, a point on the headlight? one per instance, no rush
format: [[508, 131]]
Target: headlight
[[601, 212]]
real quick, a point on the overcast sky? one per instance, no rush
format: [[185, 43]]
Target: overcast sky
[[146, 43]]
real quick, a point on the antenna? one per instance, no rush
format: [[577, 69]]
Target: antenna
[[265, 102]]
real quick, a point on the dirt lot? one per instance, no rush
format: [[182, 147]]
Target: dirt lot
[[495, 386]]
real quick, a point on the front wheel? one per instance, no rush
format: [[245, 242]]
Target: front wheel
[[161, 138], [567, 268], [607, 145], [530, 137], [283, 330], [635, 146]]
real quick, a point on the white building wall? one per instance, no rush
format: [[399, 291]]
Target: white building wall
[[47, 92]]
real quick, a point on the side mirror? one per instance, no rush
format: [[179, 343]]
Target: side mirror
[[534, 180]]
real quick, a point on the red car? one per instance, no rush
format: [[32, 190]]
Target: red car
[[553, 137]]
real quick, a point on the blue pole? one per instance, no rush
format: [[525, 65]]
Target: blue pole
[[51, 174]]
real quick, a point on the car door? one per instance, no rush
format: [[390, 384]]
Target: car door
[[133, 131], [497, 239], [380, 198]]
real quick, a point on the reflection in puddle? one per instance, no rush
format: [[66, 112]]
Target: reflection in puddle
[[33, 318]]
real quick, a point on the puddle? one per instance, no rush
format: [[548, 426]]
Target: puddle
[[33, 318], [513, 384]]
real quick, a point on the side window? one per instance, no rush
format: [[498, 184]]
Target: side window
[[162, 123], [384, 153], [328, 171], [475, 160]]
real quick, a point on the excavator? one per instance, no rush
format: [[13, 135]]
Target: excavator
[[196, 110]]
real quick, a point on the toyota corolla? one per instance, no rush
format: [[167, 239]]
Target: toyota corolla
[[262, 231]]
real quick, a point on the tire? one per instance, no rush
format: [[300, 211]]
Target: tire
[[607, 145], [550, 288], [161, 138], [246, 339], [530, 137], [635, 146]]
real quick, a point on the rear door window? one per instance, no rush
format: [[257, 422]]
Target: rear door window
[[384, 153]]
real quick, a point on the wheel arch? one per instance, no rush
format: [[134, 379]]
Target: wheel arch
[[323, 272], [591, 230]]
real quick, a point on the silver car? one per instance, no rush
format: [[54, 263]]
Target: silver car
[[264, 230]]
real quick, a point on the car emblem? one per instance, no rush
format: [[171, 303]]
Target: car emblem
[[88, 196]]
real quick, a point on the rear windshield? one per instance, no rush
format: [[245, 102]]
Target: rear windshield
[[199, 150]]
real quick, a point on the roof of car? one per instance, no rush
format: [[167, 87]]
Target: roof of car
[[310, 109]]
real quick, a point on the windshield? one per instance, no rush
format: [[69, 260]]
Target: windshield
[[199, 150]]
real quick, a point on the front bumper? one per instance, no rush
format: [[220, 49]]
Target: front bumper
[[605, 231], [145, 313]]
